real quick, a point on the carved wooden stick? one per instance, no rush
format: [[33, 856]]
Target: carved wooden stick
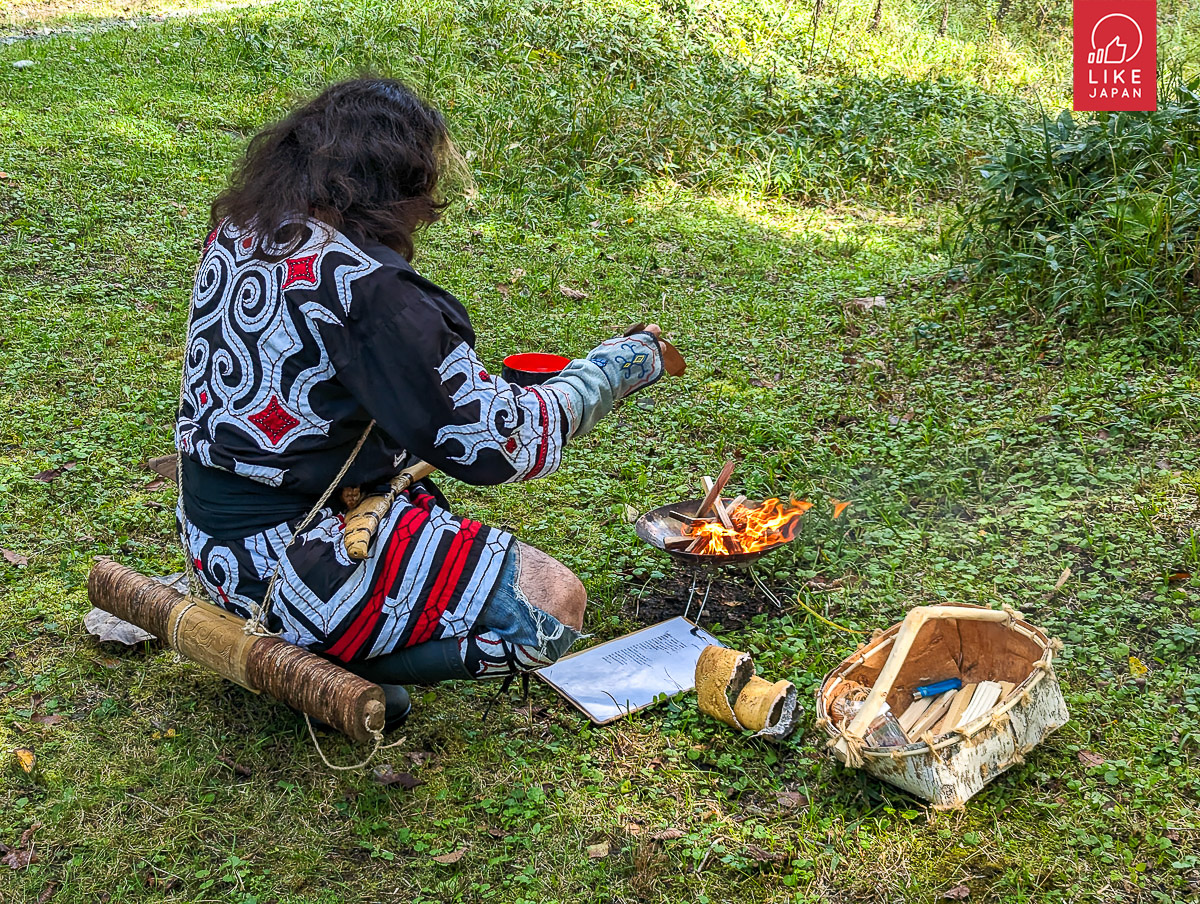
[[215, 639], [362, 522]]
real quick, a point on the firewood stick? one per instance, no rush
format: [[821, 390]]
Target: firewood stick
[[722, 514], [689, 520], [915, 711], [717, 506], [717, 486], [962, 699], [934, 714], [738, 502]]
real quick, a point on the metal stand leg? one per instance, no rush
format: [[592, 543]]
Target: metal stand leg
[[704, 602], [764, 588], [691, 594]]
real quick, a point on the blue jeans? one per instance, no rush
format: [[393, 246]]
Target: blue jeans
[[510, 636]]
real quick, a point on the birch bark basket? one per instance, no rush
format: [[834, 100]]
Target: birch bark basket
[[934, 643]]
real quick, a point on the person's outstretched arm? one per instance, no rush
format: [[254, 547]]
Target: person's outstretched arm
[[419, 377]]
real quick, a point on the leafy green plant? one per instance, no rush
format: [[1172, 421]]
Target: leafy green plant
[[1095, 220]]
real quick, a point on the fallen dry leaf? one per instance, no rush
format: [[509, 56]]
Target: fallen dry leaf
[[1175, 576], [107, 628], [50, 474], [22, 855], [867, 303], [1087, 758], [156, 484], [47, 893], [14, 558], [667, 835], [1062, 579], [792, 799], [19, 859], [452, 857], [764, 856], [598, 851], [26, 758], [164, 466], [568, 292], [49, 718], [958, 893], [388, 776]]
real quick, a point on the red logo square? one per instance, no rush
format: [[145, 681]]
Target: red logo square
[[1116, 55]]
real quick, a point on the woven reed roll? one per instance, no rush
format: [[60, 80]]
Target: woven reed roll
[[216, 639]]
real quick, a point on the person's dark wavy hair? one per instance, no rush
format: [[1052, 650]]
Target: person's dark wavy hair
[[364, 156]]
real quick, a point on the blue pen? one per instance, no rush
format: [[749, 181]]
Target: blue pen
[[932, 690]]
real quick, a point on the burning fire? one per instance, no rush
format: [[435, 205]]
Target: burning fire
[[769, 524]]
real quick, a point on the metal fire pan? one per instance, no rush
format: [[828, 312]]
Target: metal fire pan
[[655, 526]]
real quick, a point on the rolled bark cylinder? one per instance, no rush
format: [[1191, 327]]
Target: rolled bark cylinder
[[721, 674], [216, 639], [766, 708]]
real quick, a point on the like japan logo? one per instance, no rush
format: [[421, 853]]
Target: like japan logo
[[1116, 58]]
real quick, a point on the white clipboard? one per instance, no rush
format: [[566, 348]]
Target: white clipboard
[[622, 676]]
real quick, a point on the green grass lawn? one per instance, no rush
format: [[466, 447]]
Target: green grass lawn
[[736, 175]]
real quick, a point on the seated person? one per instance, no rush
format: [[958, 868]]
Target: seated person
[[311, 336]]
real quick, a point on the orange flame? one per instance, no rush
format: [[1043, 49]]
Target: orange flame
[[755, 529]]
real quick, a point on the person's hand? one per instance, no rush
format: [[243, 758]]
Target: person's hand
[[673, 362]]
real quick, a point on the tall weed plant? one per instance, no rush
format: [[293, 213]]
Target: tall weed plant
[[1094, 221]]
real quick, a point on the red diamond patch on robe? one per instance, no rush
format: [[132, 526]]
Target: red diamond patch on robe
[[275, 421], [301, 269]]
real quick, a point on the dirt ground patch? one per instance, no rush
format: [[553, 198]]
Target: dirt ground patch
[[733, 598]]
